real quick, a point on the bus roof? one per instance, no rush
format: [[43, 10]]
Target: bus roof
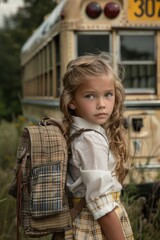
[[44, 27]]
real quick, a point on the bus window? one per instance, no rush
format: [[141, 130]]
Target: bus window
[[91, 43], [137, 54]]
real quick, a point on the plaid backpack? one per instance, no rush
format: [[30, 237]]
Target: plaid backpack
[[40, 182]]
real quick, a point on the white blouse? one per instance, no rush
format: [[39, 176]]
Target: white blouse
[[91, 168]]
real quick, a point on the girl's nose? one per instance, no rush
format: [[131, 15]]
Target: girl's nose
[[101, 103]]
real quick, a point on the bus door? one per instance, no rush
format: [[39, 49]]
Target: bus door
[[144, 145]]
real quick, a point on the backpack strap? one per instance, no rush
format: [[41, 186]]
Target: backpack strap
[[68, 233], [77, 208], [19, 193], [80, 131], [51, 121]]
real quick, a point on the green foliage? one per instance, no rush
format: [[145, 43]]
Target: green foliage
[[15, 32], [7, 207], [9, 136], [145, 219], [2, 200], [10, 75], [8, 144]]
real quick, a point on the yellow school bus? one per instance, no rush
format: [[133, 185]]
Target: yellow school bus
[[130, 31]]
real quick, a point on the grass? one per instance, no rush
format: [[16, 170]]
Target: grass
[[144, 213]]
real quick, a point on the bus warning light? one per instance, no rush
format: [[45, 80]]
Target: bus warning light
[[111, 10], [93, 10]]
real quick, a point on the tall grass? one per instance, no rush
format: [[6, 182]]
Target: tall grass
[[144, 217], [8, 143], [143, 228]]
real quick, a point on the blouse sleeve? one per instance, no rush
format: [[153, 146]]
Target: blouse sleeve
[[96, 177]]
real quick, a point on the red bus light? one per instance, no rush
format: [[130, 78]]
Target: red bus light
[[93, 10], [111, 10]]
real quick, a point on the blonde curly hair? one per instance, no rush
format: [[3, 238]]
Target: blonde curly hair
[[78, 71]]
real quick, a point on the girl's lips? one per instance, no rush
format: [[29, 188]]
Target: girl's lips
[[101, 114]]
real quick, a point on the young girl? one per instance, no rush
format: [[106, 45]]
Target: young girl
[[92, 99]]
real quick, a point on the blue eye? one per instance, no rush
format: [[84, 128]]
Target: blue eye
[[89, 96], [108, 94]]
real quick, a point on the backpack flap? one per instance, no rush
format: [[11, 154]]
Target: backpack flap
[[47, 182]]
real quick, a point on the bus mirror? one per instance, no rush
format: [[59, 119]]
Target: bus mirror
[[137, 124]]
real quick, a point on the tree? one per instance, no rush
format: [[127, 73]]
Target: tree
[[17, 29]]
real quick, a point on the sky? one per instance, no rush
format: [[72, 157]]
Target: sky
[[9, 7]]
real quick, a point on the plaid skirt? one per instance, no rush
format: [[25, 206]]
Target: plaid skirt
[[86, 228]]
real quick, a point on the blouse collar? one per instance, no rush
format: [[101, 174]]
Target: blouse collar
[[79, 123]]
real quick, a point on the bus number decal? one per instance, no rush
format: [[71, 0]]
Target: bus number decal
[[140, 7], [144, 9]]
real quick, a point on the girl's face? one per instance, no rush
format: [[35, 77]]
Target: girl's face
[[94, 100]]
